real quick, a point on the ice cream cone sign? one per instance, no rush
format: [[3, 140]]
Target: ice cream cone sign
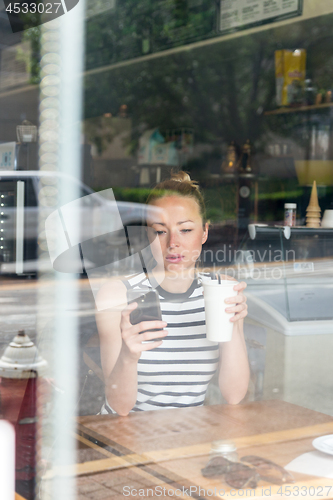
[[313, 204], [313, 210]]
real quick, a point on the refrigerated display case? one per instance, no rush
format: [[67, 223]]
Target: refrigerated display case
[[292, 299]]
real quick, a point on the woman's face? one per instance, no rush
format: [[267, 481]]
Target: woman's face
[[179, 231]]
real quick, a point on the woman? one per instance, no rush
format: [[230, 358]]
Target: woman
[[175, 367]]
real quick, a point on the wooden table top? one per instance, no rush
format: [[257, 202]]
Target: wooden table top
[[170, 447], [164, 429]]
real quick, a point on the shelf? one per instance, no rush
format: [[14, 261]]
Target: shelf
[[237, 175], [295, 109], [287, 230]]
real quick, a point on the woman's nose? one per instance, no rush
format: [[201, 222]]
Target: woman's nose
[[173, 241]]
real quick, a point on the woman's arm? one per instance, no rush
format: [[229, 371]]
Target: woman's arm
[[234, 371], [121, 346]]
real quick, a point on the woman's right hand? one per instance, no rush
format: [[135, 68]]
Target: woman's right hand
[[133, 345]]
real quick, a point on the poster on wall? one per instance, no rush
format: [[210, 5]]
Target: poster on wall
[[7, 155], [241, 14]]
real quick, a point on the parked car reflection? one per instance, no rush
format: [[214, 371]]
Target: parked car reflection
[[28, 196]]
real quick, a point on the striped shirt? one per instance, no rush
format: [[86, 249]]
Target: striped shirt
[[177, 373]]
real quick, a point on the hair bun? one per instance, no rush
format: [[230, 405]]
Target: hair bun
[[182, 176], [179, 184]]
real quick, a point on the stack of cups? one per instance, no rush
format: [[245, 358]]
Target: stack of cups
[[218, 325]]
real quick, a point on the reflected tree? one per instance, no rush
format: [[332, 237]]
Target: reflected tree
[[221, 90]]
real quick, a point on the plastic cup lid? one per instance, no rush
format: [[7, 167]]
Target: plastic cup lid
[[215, 283], [290, 205], [223, 446]]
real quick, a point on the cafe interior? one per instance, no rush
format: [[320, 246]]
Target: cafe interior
[[99, 103]]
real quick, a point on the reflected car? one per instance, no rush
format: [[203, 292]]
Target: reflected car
[[94, 224]]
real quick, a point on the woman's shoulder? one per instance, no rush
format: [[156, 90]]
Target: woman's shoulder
[[112, 293], [114, 290]]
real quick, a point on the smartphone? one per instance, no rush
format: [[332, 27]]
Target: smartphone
[[149, 308]]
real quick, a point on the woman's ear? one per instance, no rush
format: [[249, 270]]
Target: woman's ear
[[205, 234]]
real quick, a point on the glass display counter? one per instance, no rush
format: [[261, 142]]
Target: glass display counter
[[289, 272], [298, 264]]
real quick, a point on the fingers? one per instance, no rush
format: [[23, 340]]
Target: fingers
[[239, 311], [135, 343], [147, 341], [238, 299], [237, 306], [239, 316], [141, 331], [151, 345], [149, 336], [240, 286], [148, 325]]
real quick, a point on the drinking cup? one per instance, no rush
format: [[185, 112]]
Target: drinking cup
[[327, 220], [218, 325]]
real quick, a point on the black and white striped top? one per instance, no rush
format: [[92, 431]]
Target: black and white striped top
[[177, 373]]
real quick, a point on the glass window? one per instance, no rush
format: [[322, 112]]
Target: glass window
[[151, 152]]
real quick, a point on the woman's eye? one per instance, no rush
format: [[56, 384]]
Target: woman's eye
[[186, 230], [159, 232]]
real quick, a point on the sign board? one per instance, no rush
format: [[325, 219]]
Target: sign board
[[242, 14], [7, 155], [96, 7], [135, 29]]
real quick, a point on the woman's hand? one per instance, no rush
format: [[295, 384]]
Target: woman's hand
[[234, 373], [238, 303], [132, 337]]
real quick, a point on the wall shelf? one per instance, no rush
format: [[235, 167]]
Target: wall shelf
[[296, 109]]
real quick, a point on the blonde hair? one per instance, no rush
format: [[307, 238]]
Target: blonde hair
[[179, 184]]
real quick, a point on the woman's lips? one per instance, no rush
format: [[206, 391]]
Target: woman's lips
[[174, 258]]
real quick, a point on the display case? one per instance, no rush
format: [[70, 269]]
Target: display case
[[299, 262], [289, 274]]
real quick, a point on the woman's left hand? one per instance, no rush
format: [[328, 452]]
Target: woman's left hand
[[237, 304]]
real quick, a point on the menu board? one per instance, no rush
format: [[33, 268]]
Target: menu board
[[241, 14], [122, 25]]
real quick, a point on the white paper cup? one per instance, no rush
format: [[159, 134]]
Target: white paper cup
[[218, 325], [327, 220]]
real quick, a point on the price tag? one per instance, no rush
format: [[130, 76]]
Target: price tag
[[303, 267]]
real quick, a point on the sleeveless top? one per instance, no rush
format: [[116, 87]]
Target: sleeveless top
[[177, 373]]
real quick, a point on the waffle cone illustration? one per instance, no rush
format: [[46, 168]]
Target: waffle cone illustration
[[313, 210]]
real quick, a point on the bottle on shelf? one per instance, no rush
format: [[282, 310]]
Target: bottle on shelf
[[310, 93], [290, 214], [246, 158], [230, 163]]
